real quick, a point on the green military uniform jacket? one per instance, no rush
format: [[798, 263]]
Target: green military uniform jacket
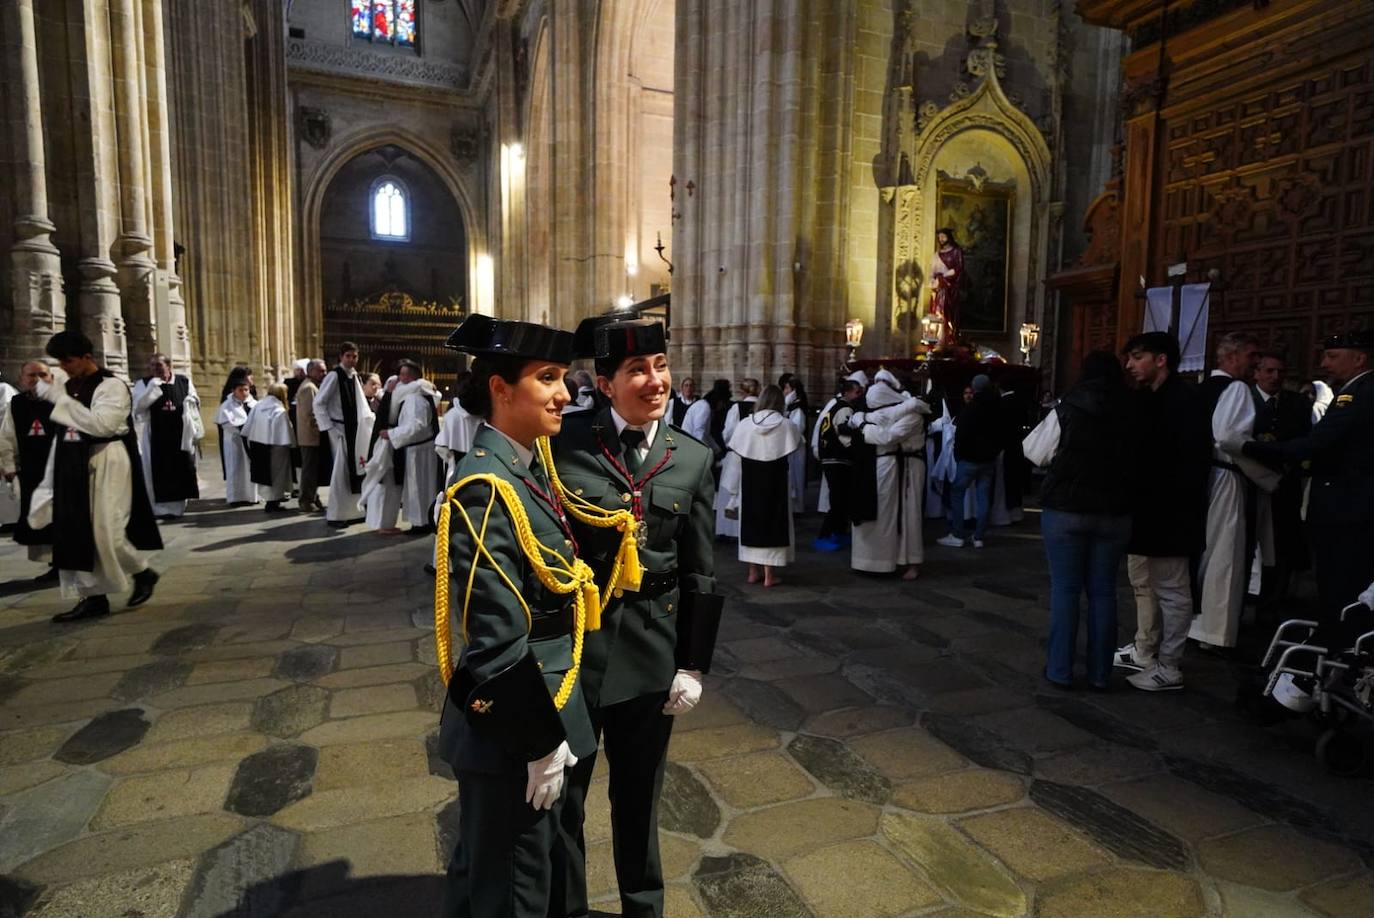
[[634, 652], [498, 634]]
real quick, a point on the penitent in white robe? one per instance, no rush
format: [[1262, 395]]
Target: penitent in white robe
[[456, 433], [796, 463], [328, 408], [112, 491], [9, 490], [146, 393], [762, 437], [1223, 570], [419, 404], [894, 424], [269, 424], [238, 480]]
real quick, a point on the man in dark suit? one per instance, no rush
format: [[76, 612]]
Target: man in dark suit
[[645, 664], [1340, 507], [1280, 415]]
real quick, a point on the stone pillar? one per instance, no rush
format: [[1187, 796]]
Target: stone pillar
[[172, 337], [38, 303], [97, 179], [758, 86], [134, 260]]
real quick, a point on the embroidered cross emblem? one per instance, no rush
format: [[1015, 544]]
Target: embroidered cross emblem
[[36, 429]]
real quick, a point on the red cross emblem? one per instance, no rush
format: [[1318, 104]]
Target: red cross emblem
[[36, 429]]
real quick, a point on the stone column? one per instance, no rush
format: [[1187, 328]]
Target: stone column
[[172, 337], [134, 259], [38, 303], [97, 179]]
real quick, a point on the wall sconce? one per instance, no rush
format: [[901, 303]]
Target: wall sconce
[[932, 329], [1030, 337], [853, 336]]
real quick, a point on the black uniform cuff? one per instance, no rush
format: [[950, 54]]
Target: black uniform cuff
[[512, 709], [698, 620]]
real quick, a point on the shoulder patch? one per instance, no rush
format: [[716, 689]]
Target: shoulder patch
[[679, 432]]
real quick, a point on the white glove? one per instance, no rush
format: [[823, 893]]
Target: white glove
[[46, 391], [546, 777], [856, 420], [685, 692], [1234, 444], [1367, 597]]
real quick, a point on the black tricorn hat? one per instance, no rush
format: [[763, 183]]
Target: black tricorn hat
[[616, 338], [1360, 340], [484, 336]]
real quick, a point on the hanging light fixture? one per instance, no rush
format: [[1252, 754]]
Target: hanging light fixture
[[1030, 337], [853, 336]]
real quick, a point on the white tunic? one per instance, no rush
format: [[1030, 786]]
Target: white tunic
[[697, 420], [419, 403], [895, 423], [146, 393], [724, 525], [796, 463], [269, 424], [764, 437], [9, 491], [328, 408], [238, 481], [112, 489], [1223, 569]]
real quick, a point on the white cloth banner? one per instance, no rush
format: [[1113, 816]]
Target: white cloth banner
[[1192, 321]]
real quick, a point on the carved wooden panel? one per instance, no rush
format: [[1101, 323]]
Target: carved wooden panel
[[1274, 190]]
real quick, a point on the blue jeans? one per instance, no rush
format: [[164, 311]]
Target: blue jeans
[[979, 475], [1084, 552]]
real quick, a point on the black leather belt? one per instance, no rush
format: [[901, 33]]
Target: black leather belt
[[1228, 466], [656, 583], [553, 625]]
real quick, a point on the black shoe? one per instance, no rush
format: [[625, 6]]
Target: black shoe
[[338, 524], [144, 581], [45, 579], [90, 607], [274, 506]]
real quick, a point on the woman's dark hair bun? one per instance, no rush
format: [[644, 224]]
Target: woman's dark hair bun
[[475, 396]]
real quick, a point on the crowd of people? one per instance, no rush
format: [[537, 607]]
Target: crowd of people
[[582, 509]]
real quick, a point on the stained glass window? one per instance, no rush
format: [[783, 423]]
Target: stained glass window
[[389, 210], [388, 21]]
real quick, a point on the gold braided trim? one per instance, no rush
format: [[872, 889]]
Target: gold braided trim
[[558, 577], [626, 573]]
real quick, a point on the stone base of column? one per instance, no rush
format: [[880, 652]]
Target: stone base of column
[[38, 303], [101, 320]]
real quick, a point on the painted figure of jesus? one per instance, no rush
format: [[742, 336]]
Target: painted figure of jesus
[[946, 274]]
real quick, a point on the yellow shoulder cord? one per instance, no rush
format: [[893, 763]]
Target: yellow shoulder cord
[[626, 572], [560, 577]]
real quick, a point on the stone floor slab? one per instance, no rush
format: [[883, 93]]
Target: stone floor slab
[[909, 753], [743, 886], [395, 845], [201, 750], [236, 877], [291, 710], [205, 720], [330, 809], [34, 743], [858, 721], [143, 845], [1033, 844], [1123, 893], [858, 879], [375, 675], [373, 727], [231, 670], [756, 779], [1275, 858], [960, 791], [361, 764], [794, 828], [716, 742], [685, 805], [1182, 807], [957, 868], [839, 768], [376, 655], [1350, 896], [269, 780], [377, 699], [147, 891], [49, 815], [166, 794]]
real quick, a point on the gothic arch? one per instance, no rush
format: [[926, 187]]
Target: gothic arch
[[310, 305], [986, 121]]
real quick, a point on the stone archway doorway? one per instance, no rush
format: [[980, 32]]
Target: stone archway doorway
[[393, 256]]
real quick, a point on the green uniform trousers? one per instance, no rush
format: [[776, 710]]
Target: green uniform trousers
[[502, 866], [636, 734]]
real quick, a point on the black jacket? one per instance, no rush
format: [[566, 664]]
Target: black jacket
[[1341, 450], [1093, 470], [1169, 511], [980, 431]]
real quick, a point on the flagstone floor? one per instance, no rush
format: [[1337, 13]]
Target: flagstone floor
[[258, 740]]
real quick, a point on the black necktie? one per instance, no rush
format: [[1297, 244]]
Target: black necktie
[[632, 439]]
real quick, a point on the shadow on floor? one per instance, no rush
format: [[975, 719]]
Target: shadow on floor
[[328, 891]]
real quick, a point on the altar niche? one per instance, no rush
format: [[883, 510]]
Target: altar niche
[[981, 218]]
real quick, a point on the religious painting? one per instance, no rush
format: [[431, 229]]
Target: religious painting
[[981, 221]]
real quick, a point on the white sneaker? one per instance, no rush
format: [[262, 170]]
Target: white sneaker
[[1125, 658], [1158, 678], [977, 543], [950, 541]]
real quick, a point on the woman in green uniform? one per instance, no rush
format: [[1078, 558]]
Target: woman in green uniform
[[514, 717], [645, 665]]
